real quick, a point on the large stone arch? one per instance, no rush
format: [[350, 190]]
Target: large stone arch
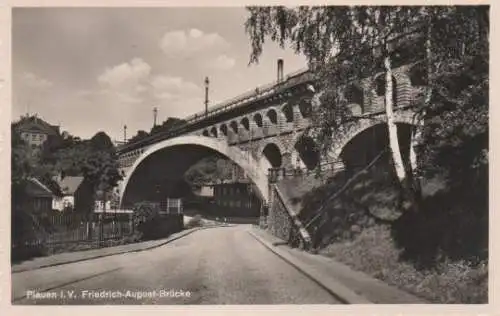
[[350, 131], [252, 167]]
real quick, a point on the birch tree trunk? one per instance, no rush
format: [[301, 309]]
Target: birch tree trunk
[[391, 126], [418, 121]]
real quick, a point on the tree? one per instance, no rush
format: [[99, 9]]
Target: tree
[[211, 169], [453, 117], [94, 159], [168, 125], [140, 135], [25, 165], [22, 168], [101, 141], [345, 43]]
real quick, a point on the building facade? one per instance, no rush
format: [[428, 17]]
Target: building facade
[[35, 131], [236, 199]]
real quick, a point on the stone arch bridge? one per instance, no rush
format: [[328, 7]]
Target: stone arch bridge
[[260, 130]]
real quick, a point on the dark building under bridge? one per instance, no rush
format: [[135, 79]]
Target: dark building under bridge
[[235, 199]]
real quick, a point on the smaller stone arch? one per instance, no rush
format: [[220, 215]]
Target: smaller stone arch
[[379, 85], [245, 123], [273, 154], [354, 96], [305, 107], [223, 129], [274, 141], [206, 133], [258, 119], [234, 126], [418, 75], [308, 151], [213, 131], [287, 110], [272, 115]]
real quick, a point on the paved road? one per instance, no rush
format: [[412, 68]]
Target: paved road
[[223, 265]]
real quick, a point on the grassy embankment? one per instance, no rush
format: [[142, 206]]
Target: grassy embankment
[[439, 254]]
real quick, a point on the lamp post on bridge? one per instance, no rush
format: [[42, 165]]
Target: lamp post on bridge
[[124, 133], [155, 114], [207, 82]]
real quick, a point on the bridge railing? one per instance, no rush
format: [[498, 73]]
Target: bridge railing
[[226, 105], [244, 97], [276, 174]]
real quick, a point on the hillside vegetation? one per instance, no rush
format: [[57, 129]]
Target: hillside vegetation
[[440, 253]]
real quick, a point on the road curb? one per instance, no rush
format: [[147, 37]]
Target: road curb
[[332, 286], [168, 240]]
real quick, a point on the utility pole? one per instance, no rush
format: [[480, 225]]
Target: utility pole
[[155, 114], [124, 133], [207, 82]]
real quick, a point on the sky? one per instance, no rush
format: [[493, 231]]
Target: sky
[[97, 69]]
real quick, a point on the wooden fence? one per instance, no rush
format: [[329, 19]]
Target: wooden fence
[[61, 230], [64, 228]]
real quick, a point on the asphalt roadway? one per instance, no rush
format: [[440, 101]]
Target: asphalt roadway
[[222, 265]]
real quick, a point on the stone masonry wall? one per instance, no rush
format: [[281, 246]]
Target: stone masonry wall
[[279, 222]]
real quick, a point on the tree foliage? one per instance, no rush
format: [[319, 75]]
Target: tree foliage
[[346, 43], [209, 170], [140, 135], [339, 44], [94, 159], [101, 142], [167, 125]]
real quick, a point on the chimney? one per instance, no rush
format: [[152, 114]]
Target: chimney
[[155, 113], [124, 133], [280, 70]]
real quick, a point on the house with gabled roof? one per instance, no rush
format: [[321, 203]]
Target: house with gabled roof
[[38, 197], [76, 195]]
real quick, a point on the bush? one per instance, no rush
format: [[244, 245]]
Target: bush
[[151, 225], [196, 221], [374, 253]]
